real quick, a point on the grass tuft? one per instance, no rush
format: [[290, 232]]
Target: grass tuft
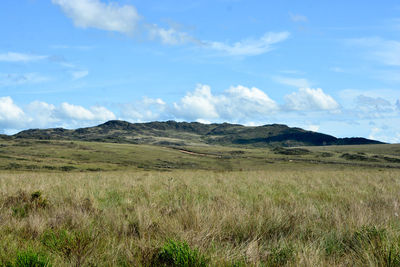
[[179, 254], [29, 258]]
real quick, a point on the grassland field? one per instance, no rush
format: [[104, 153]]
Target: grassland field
[[68, 203]]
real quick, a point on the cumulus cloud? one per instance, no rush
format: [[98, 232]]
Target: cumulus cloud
[[249, 102], [99, 15], [249, 47], [40, 114], [20, 57], [235, 104], [148, 109], [114, 17], [10, 114], [310, 99], [200, 104], [74, 112]]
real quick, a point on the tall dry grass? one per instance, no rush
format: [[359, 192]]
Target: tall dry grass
[[260, 218]]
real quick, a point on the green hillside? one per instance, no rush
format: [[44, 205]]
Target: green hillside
[[61, 155], [171, 133]]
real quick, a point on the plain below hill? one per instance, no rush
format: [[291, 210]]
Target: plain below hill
[[172, 133]]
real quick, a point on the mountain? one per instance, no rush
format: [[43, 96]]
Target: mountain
[[172, 133]]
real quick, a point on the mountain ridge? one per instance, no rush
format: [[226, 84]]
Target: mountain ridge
[[186, 133]]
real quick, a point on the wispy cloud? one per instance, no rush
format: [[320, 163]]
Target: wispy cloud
[[249, 47], [14, 79], [125, 19], [79, 74], [170, 36], [295, 82], [337, 69], [99, 15], [20, 57], [298, 17], [384, 51]]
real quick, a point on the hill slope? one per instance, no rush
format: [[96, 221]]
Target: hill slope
[[183, 133]]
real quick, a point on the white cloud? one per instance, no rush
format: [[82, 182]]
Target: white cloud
[[79, 74], [148, 109], [298, 17], [237, 104], [125, 19], [10, 114], [248, 102], [296, 82], [41, 114], [19, 57], [114, 17], [102, 114], [200, 104], [313, 128], [249, 47], [99, 15], [385, 135], [310, 99], [75, 112], [170, 36]]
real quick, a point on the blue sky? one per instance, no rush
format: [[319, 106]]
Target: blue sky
[[327, 66]]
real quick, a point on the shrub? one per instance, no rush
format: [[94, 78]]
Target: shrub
[[179, 254], [67, 168], [29, 258], [74, 246]]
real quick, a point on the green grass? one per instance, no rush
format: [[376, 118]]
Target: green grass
[[67, 156], [332, 217], [84, 203]]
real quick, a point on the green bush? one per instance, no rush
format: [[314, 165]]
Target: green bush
[[179, 254], [29, 258], [74, 246]]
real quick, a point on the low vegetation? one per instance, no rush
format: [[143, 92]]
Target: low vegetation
[[77, 203], [289, 216], [76, 156]]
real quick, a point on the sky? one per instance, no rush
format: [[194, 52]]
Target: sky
[[326, 66]]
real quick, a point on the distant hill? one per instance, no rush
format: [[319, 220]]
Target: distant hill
[[171, 133]]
